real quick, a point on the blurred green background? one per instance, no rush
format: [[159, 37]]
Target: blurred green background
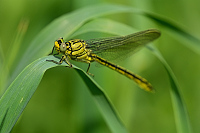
[[62, 102]]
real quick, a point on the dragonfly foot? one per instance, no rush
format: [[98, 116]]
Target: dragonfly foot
[[70, 66], [90, 74]]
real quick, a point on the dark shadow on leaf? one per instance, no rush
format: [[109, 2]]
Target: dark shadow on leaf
[[2, 123]]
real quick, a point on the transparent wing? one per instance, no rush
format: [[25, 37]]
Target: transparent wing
[[114, 48]]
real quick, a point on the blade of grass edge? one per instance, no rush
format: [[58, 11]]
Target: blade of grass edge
[[103, 103], [181, 116], [3, 120], [179, 32], [23, 87], [103, 25]]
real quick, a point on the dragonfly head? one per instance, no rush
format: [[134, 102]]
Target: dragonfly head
[[60, 45]]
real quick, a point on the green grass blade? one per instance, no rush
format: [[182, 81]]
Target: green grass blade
[[181, 116], [106, 26], [103, 103], [20, 91], [179, 32], [23, 87], [11, 56], [2, 59], [3, 120], [15, 49]]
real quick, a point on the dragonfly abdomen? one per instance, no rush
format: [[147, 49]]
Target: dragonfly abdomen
[[143, 83]]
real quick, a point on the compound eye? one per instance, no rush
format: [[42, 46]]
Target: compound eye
[[60, 40], [63, 47]]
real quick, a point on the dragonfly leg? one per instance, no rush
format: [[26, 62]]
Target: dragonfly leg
[[88, 71], [61, 61], [88, 68], [67, 61], [52, 51]]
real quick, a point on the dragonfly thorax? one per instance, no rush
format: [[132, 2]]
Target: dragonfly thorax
[[76, 50]]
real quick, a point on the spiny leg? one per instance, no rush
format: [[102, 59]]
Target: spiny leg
[[61, 61]]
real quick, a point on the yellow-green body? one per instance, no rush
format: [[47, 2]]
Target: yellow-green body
[[87, 51]]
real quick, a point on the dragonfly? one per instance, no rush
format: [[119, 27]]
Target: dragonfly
[[103, 49]]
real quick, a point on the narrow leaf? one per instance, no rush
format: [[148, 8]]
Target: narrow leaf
[[23, 87], [180, 112], [179, 32]]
